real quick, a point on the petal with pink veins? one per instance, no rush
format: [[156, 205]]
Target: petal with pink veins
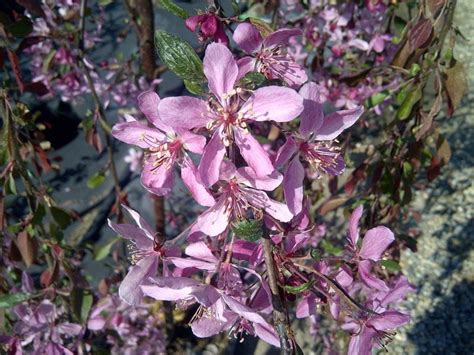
[[247, 176], [253, 153], [248, 37], [274, 208], [137, 134], [281, 37], [293, 185], [148, 102], [193, 182], [211, 160], [273, 103], [220, 69], [183, 112], [246, 65], [367, 278], [129, 290], [312, 116], [337, 122], [159, 180], [193, 142], [286, 151], [215, 220], [375, 242]]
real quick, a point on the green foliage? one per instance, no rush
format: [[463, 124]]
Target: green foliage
[[300, 288], [248, 229], [179, 56], [7, 301], [81, 303], [170, 6], [95, 180]]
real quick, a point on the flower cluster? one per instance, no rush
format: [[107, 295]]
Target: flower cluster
[[212, 142], [340, 42]]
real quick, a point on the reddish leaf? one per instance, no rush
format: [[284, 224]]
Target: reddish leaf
[[27, 247], [434, 169], [37, 88], [28, 42], [93, 138], [49, 275], [43, 158], [356, 176], [16, 69], [420, 34], [333, 185]]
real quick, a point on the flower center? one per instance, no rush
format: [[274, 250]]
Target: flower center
[[323, 156], [163, 153]]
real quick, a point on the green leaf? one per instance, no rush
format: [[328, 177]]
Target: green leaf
[[62, 218], [81, 302], [391, 265], [12, 185], [411, 99], [105, 2], [248, 229], [38, 215], [253, 80], [95, 180], [170, 6], [194, 88], [331, 248], [179, 56], [315, 254], [21, 28], [102, 251], [7, 301], [377, 98], [300, 288], [48, 61]]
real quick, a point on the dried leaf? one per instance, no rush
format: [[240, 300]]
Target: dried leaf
[[456, 86], [49, 275], [435, 6], [332, 204], [27, 247], [16, 69]]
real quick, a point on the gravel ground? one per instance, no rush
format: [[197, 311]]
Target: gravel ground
[[443, 267]]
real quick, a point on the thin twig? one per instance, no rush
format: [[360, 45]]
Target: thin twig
[[280, 317]]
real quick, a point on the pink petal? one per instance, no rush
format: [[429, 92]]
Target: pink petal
[[375, 242], [193, 263], [246, 65], [215, 220], [361, 344], [130, 232], [193, 182], [367, 278], [200, 250], [247, 176], [285, 68], [281, 37], [207, 327], [274, 208], [183, 112], [306, 307], [193, 142], [397, 292], [220, 69], [312, 116], [180, 288], [243, 310], [211, 160], [158, 181], [267, 333], [141, 222], [353, 236], [247, 37], [129, 290], [337, 122], [253, 153], [285, 152], [389, 320], [148, 102], [137, 134], [193, 21], [359, 44], [273, 103], [293, 185]]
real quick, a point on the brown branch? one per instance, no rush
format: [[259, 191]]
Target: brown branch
[[281, 321]]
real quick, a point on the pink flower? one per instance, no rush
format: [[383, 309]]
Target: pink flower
[[164, 147], [240, 192], [227, 115], [134, 159], [269, 55], [374, 243], [313, 145], [217, 312], [208, 26], [145, 253]]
